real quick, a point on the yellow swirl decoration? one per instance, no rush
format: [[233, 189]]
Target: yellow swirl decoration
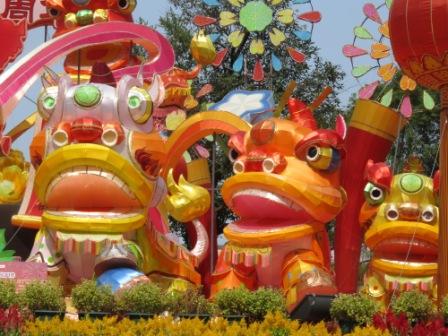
[[186, 201], [13, 177]]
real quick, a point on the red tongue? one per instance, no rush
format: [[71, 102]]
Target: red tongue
[[399, 249], [89, 192], [263, 224], [252, 206]]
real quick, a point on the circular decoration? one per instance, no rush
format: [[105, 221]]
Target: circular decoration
[[371, 51], [87, 96], [373, 194], [411, 183], [140, 105], [261, 31], [47, 102], [255, 16]]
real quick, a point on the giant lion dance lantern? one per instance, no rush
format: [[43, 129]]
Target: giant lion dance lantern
[[285, 188], [401, 221], [95, 179], [97, 196]]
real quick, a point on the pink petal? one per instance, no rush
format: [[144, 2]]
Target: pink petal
[[372, 13], [202, 21], [406, 107], [205, 90], [367, 91], [313, 17], [341, 126], [351, 51], [296, 55], [220, 55], [202, 151], [5, 145], [258, 74]]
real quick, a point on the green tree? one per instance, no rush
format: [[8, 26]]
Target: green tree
[[312, 77]]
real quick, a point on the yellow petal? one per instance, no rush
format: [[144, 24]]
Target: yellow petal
[[226, 18], [174, 119], [235, 38], [407, 83], [256, 47], [276, 2], [379, 51], [387, 72], [277, 37], [384, 29], [286, 16], [236, 3]]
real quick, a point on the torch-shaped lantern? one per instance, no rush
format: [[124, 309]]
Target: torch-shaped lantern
[[419, 36]]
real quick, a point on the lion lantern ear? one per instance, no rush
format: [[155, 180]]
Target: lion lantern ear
[[341, 126], [157, 90], [49, 78], [379, 174]]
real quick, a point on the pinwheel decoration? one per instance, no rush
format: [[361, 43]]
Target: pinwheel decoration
[[261, 31], [371, 51]]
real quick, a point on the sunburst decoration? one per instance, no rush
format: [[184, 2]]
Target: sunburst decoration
[[261, 30], [371, 51]]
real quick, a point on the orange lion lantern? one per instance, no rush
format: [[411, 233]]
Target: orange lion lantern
[[69, 15], [401, 219], [285, 188]]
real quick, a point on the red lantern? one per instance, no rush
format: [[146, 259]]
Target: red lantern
[[419, 36]]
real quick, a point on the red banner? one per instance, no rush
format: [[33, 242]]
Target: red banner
[[32, 11]]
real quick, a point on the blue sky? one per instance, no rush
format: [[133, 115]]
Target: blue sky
[[335, 30]]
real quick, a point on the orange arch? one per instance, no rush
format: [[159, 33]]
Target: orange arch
[[197, 127]]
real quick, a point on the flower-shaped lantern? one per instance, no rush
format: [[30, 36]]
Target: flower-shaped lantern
[[371, 51], [262, 31]]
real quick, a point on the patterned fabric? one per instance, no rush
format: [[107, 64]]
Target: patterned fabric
[[249, 256]]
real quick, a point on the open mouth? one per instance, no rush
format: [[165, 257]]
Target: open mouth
[[86, 191], [265, 210], [402, 249]]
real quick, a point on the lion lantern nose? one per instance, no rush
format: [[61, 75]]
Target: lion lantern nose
[[86, 129]]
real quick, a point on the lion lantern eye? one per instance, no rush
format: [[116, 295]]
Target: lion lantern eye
[[139, 105], [46, 103], [233, 154], [373, 194], [429, 214], [126, 6], [323, 158]]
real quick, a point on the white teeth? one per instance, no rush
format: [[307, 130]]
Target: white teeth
[[271, 196], [87, 170], [90, 214], [94, 172]]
